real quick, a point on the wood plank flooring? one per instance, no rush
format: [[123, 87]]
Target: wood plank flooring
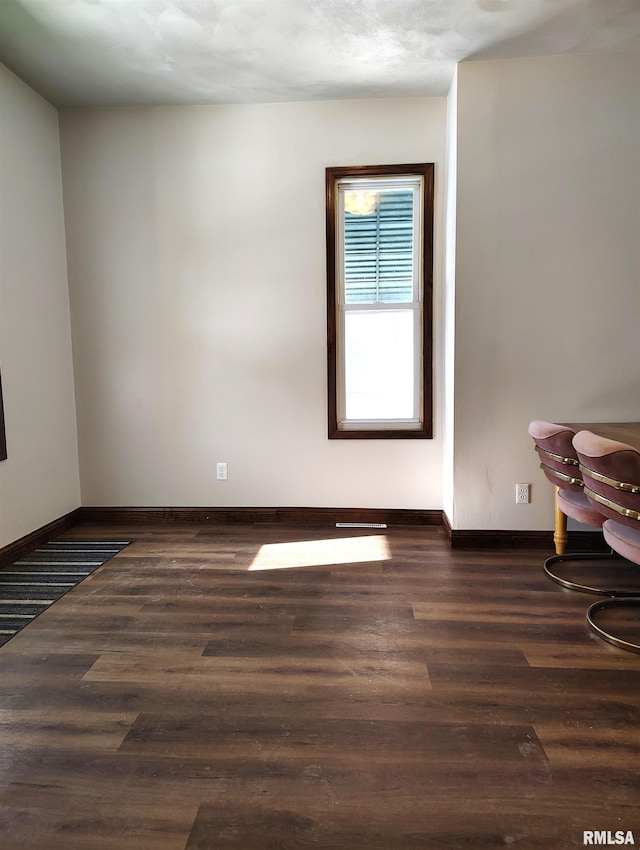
[[258, 687]]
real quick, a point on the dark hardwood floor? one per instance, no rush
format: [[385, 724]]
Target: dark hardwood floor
[[256, 687]]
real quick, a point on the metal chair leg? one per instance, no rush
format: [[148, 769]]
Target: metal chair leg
[[586, 588], [604, 604]]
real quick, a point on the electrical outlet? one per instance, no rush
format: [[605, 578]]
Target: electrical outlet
[[523, 494], [221, 471]]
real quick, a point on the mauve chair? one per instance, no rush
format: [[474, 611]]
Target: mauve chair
[[559, 462], [611, 473]]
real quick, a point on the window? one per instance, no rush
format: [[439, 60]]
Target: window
[[379, 301], [3, 438]]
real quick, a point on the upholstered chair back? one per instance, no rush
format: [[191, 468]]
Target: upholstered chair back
[[558, 458], [611, 475]]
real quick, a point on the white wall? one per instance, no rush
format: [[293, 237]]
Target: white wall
[[39, 481], [197, 274], [547, 268], [196, 250]]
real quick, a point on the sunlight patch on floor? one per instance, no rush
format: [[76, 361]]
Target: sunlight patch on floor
[[318, 553]]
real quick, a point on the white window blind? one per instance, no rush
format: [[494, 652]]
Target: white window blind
[[378, 251]]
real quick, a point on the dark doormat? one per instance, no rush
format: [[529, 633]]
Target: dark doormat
[[31, 584]]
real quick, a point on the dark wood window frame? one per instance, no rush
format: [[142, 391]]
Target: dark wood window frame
[[3, 436], [333, 175]]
